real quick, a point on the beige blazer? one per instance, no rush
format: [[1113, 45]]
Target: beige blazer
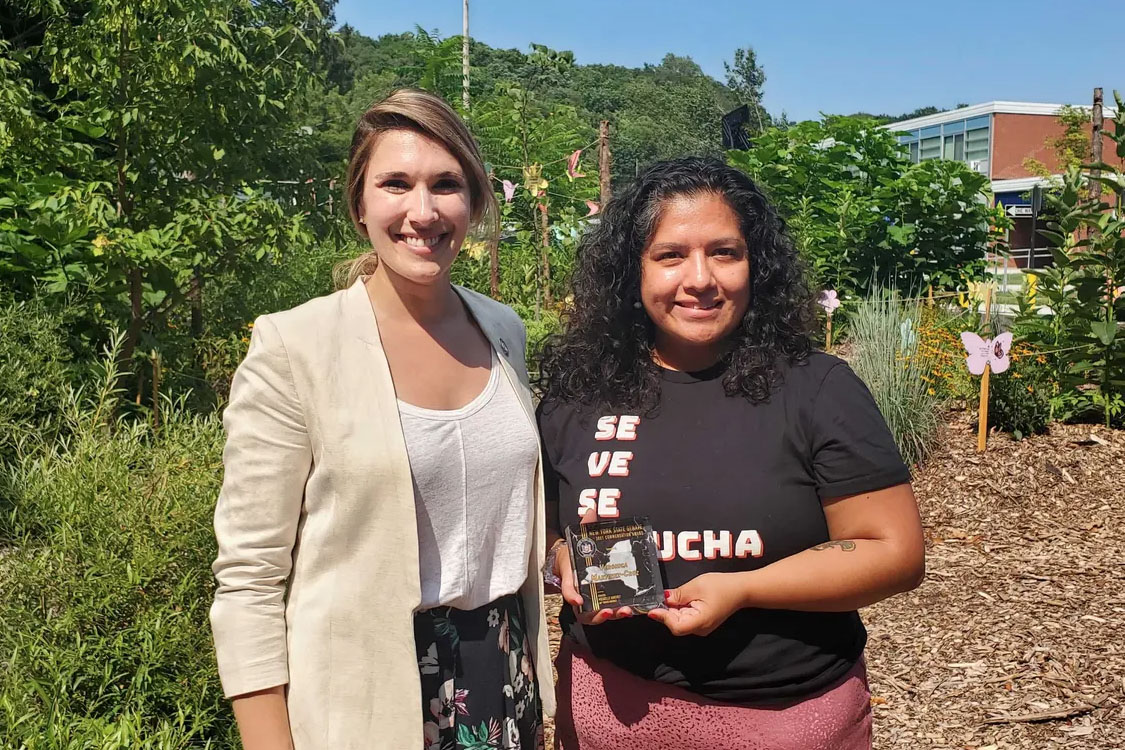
[[318, 551]]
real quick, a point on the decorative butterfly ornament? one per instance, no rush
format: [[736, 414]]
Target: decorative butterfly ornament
[[991, 352], [829, 301]]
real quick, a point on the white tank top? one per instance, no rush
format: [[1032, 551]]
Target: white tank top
[[473, 470]]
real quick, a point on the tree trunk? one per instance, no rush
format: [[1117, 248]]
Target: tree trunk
[[195, 294], [603, 162], [124, 203], [546, 257], [465, 54]]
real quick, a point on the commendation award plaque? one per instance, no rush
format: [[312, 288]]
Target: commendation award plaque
[[616, 564]]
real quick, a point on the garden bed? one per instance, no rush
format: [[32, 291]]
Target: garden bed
[[1017, 637]]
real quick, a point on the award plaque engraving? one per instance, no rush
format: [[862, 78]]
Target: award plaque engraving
[[616, 564]]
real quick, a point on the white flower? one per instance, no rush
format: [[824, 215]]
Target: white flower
[[525, 666], [442, 706], [511, 734], [520, 708], [432, 735], [518, 683], [508, 691], [429, 663], [493, 618]]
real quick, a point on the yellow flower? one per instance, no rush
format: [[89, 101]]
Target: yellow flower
[[1030, 389], [931, 391], [475, 249]]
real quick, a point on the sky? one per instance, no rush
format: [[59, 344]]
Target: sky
[[818, 55]]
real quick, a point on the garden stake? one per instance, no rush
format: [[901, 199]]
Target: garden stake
[[982, 430], [828, 335]]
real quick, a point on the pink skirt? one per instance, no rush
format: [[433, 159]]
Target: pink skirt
[[603, 707]]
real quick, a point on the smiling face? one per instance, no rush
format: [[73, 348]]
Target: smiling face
[[695, 279], [415, 206]]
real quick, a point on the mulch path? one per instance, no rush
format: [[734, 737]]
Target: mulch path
[[1017, 637]]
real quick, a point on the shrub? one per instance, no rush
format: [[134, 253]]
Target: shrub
[[34, 375], [1019, 399], [889, 359], [105, 545]]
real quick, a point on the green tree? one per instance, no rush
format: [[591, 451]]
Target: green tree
[[864, 215], [177, 115], [747, 80]]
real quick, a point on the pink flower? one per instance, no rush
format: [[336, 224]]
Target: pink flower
[[592, 208], [829, 301], [502, 637], [572, 165], [509, 191]]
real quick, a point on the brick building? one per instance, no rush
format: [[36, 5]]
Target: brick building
[[994, 139]]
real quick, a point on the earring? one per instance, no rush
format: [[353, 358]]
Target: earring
[[362, 220], [637, 305]]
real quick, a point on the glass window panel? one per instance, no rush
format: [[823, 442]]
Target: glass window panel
[[976, 144], [930, 148], [959, 147], [931, 131], [953, 127], [977, 122], [914, 152], [947, 150]]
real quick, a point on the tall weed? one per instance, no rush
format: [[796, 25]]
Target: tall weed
[[105, 545]]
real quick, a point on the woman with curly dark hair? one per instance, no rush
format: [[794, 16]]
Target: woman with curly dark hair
[[684, 389]]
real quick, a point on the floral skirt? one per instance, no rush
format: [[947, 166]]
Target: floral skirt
[[478, 678]]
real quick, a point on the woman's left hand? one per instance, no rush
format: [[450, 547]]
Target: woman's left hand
[[702, 604]]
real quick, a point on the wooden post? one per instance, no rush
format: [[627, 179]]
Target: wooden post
[[930, 295], [1096, 144], [828, 335], [465, 54], [546, 256], [155, 390], [603, 162], [982, 429]]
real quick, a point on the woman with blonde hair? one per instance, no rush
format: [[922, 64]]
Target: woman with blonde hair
[[380, 524]]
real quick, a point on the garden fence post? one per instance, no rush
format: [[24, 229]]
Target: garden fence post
[[982, 429], [1096, 144]]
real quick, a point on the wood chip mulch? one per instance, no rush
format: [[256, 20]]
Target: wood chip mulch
[[1017, 637]]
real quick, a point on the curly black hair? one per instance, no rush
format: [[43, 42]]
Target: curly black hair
[[603, 357]]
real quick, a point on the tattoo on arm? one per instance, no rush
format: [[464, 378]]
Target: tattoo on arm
[[845, 545]]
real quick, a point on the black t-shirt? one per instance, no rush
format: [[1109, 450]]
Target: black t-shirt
[[729, 486]]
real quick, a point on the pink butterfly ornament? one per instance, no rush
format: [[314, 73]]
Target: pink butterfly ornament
[[829, 301], [572, 166], [592, 208], [991, 352], [509, 191]]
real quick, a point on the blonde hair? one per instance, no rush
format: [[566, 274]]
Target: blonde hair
[[428, 114]]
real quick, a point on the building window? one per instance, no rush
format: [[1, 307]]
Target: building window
[[914, 152], [930, 148], [954, 147], [976, 145]]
